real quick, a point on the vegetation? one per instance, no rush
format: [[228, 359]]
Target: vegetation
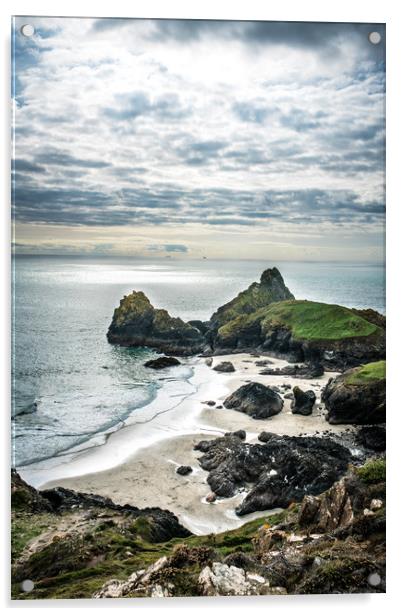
[[374, 471], [369, 373]]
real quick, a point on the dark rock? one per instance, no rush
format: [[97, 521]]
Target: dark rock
[[372, 437], [184, 470], [241, 434], [137, 323], [209, 361], [263, 362], [288, 396], [264, 437], [255, 400], [349, 401], [224, 366], [281, 471], [304, 371], [303, 401], [209, 402], [219, 406], [202, 326], [162, 362], [25, 497], [210, 498]]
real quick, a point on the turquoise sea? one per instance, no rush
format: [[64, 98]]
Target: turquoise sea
[[70, 385]]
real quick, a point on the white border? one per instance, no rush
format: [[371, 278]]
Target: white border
[[309, 10]]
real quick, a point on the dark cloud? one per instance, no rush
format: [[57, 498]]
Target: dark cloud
[[21, 165], [53, 156]]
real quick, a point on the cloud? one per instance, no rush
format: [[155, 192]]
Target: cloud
[[180, 248], [228, 127]]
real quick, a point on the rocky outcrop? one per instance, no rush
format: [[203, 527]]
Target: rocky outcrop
[[303, 401], [317, 334], [255, 400], [304, 371], [271, 288], [224, 366], [281, 471], [223, 580], [25, 497], [372, 437], [357, 396], [162, 362], [137, 323]]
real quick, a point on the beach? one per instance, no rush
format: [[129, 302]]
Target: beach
[[137, 464]]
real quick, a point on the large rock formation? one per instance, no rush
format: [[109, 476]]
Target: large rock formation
[[281, 471], [265, 317], [271, 288], [137, 323], [303, 331], [357, 396], [255, 400]]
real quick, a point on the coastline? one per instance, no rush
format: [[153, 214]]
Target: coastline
[[137, 463]]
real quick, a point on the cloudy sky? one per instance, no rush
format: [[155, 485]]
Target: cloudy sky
[[192, 138]]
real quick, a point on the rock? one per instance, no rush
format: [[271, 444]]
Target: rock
[[219, 406], [264, 437], [289, 396], [209, 402], [224, 366], [357, 396], [162, 362], [223, 580], [263, 362], [211, 497], [184, 470], [241, 434], [304, 371], [376, 504], [279, 472], [271, 288], [208, 361], [139, 581], [255, 400], [137, 323], [372, 437], [303, 401], [25, 497]]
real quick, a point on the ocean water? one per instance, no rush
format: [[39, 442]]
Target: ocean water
[[70, 385]]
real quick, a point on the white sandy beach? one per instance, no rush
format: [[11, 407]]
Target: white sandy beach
[[137, 463]]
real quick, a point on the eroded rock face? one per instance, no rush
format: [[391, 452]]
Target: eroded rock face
[[256, 400], [281, 471], [349, 402], [137, 323], [303, 401], [223, 580]]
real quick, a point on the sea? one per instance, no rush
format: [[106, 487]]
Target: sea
[[71, 388]]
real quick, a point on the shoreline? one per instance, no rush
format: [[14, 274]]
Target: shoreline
[[137, 463]]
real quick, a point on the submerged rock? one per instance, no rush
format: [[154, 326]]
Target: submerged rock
[[137, 323], [162, 362], [255, 400], [224, 366], [303, 401], [280, 472], [357, 396]]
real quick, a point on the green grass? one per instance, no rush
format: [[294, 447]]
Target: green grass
[[307, 321], [25, 527], [369, 373], [317, 321], [374, 471]]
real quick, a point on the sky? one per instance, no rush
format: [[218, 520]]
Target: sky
[[185, 139]]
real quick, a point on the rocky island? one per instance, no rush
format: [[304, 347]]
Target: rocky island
[[286, 433]]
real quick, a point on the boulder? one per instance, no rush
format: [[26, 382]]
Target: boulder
[[162, 362], [224, 366], [255, 400], [221, 579], [357, 396], [303, 401], [184, 470], [241, 434], [137, 323]]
